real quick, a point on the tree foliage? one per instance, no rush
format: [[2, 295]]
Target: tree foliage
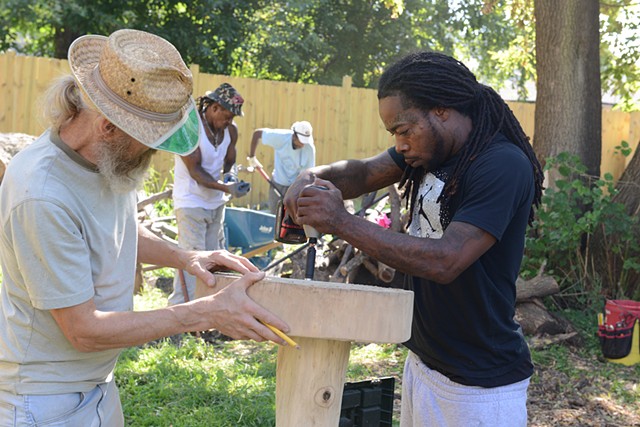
[[620, 50], [320, 41]]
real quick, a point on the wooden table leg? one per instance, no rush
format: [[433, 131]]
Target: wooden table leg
[[310, 382]]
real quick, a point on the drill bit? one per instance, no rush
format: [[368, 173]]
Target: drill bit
[[311, 252], [312, 234]]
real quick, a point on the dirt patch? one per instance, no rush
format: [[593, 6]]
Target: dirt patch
[[555, 399], [585, 399]]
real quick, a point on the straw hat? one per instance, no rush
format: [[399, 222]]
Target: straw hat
[[140, 83]]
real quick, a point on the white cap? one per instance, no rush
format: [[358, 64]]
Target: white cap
[[303, 131]]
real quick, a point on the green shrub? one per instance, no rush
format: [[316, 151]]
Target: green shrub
[[153, 185], [574, 209]]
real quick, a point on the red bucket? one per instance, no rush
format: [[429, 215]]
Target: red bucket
[[620, 313]]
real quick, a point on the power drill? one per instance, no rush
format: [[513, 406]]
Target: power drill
[[287, 231]]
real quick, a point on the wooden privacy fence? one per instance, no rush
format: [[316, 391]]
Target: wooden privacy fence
[[345, 119]]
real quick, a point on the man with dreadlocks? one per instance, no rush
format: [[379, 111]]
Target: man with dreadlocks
[[472, 182]]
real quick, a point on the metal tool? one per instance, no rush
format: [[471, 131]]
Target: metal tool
[[287, 231], [265, 175], [312, 234], [310, 268], [301, 248]]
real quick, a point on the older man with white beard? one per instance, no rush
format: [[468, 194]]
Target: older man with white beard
[[69, 239]]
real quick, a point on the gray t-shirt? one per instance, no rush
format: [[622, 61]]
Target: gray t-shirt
[[65, 237]]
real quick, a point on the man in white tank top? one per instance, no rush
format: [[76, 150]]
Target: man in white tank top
[[200, 189]]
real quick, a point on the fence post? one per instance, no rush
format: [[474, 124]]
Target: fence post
[[634, 134], [7, 64]]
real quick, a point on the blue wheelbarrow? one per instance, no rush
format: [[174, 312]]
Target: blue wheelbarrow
[[251, 233]]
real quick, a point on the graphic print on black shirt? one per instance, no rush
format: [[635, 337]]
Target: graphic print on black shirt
[[429, 218]]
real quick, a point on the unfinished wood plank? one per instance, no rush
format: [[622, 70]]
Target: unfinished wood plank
[[310, 382], [313, 309]]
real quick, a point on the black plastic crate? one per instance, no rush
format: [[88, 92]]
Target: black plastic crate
[[367, 403]]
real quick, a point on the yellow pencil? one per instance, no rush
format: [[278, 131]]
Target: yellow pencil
[[282, 335]]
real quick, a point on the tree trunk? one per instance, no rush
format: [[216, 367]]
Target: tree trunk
[[568, 103], [538, 287], [628, 185], [62, 39]]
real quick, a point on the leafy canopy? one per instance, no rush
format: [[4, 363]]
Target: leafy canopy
[[320, 41]]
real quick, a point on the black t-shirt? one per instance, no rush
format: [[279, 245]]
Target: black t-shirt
[[465, 329]]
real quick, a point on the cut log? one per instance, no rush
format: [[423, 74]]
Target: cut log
[[385, 273], [369, 264], [352, 264], [337, 275], [337, 250], [378, 270], [538, 287], [10, 145], [535, 319]]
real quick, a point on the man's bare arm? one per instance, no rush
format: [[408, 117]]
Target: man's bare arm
[[356, 177], [352, 177], [230, 311], [440, 260], [197, 172]]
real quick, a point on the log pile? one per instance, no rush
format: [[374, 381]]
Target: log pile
[[339, 262], [10, 144], [538, 323]]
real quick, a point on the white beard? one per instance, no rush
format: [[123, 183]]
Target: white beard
[[122, 173]]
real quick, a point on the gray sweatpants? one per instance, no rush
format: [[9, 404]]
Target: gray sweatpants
[[431, 399]]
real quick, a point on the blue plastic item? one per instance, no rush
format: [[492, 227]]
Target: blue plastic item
[[248, 229]]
